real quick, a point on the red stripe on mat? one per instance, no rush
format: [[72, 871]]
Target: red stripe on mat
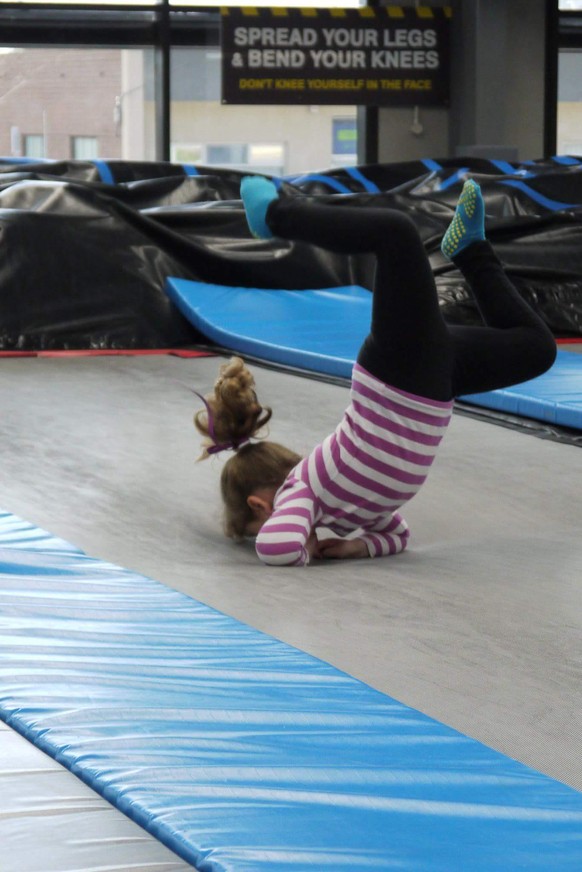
[[107, 352], [574, 340]]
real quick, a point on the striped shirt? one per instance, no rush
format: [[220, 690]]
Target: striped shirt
[[358, 477]]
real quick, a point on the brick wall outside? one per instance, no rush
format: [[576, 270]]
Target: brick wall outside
[[65, 92], [72, 92]]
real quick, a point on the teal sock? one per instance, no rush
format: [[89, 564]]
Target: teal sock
[[257, 193], [468, 224]]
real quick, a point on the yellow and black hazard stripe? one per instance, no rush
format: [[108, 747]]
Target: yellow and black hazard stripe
[[393, 12]]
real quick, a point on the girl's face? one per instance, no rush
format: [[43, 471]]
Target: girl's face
[[254, 527]]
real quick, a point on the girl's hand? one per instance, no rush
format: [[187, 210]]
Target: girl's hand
[[312, 545], [342, 549]]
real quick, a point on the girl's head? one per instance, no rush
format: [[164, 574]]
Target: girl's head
[[233, 415]]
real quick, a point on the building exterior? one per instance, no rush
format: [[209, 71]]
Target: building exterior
[[61, 103]]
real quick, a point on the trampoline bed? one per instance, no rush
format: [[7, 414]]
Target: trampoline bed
[[474, 628]]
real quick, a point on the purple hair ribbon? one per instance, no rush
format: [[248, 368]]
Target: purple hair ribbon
[[218, 446]]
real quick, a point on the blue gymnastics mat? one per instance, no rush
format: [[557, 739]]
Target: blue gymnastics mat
[[243, 754], [319, 330], [554, 397], [322, 330]]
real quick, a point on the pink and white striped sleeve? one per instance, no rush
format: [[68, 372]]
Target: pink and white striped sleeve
[[387, 537], [282, 540]]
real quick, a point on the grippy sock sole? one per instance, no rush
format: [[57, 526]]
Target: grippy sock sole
[[467, 225]]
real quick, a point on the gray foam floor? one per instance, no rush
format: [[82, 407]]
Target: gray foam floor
[[478, 625]]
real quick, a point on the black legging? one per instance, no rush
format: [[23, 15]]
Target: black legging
[[410, 346]]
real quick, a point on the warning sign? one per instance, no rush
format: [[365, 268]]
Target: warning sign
[[381, 56]]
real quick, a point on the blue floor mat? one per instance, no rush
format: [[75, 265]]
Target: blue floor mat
[[554, 397], [243, 754], [319, 330], [322, 330]]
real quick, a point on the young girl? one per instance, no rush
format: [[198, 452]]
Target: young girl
[[409, 369]]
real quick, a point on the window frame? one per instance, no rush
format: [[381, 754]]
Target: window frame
[[163, 26]]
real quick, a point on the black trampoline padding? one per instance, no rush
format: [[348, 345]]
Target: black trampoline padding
[[87, 246]]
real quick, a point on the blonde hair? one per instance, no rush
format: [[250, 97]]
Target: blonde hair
[[233, 415]]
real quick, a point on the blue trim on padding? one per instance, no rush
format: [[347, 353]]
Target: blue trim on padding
[[504, 167], [431, 165], [356, 174], [566, 160], [190, 170], [332, 183], [458, 176], [553, 205], [242, 753], [322, 330], [104, 171], [25, 160]]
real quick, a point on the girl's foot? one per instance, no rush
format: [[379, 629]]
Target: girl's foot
[[257, 193], [468, 224]]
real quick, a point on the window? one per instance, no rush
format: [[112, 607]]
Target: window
[[294, 139], [227, 155], [33, 145], [344, 137], [61, 103], [187, 152], [569, 103], [96, 92], [258, 157], [267, 158], [84, 147]]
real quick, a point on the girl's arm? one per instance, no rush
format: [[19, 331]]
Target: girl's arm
[[385, 538], [391, 538], [287, 538]]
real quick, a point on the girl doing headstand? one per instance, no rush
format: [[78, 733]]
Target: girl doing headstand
[[409, 369]]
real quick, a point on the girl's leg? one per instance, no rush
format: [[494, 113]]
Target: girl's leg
[[514, 346], [409, 346]]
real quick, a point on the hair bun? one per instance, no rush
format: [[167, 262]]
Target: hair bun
[[233, 412]]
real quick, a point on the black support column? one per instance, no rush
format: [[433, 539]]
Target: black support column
[[162, 80]]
